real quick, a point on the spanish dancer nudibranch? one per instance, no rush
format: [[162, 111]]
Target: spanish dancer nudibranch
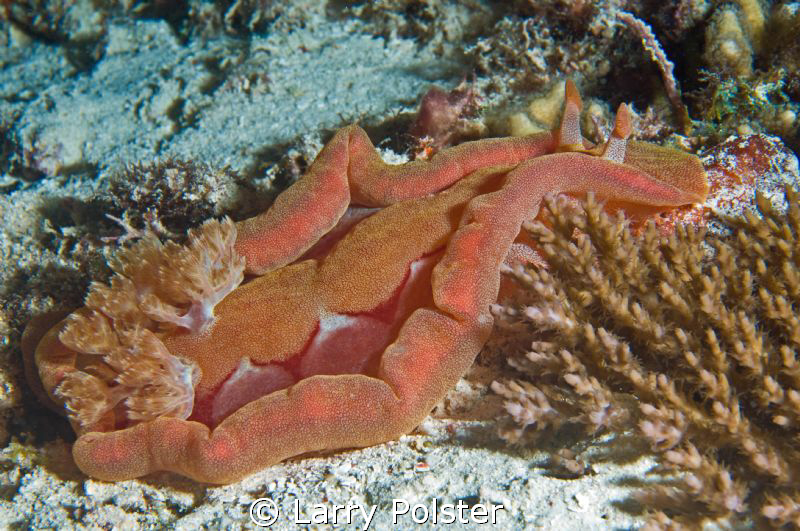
[[367, 297]]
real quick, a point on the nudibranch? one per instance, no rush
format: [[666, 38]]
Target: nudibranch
[[337, 318]]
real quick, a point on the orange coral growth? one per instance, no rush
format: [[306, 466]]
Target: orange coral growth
[[442, 119], [372, 300]]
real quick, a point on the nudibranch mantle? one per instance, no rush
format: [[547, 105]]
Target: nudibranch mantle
[[367, 297]]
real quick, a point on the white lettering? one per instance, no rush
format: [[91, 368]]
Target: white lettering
[[460, 506], [419, 519], [448, 513], [494, 508], [367, 516], [297, 519], [479, 514], [396, 511], [434, 513], [319, 514], [336, 514]]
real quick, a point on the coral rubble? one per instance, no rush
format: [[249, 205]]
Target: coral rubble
[[180, 192], [749, 78]]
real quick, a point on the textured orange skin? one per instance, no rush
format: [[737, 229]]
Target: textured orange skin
[[471, 199]]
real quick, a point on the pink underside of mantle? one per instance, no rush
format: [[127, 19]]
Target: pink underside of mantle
[[340, 344]]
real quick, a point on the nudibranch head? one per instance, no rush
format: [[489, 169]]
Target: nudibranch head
[[682, 170]]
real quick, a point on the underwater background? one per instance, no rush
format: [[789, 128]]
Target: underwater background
[[120, 117]]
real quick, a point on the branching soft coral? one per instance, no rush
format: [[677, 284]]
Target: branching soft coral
[[702, 332], [156, 287]]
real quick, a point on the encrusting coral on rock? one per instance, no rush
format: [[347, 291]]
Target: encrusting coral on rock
[[749, 79], [701, 331], [182, 192], [156, 288]]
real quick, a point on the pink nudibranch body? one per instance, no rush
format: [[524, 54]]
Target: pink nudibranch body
[[369, 299]]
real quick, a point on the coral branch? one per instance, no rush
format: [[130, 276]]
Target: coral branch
[[651, 44], [707, 345]]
